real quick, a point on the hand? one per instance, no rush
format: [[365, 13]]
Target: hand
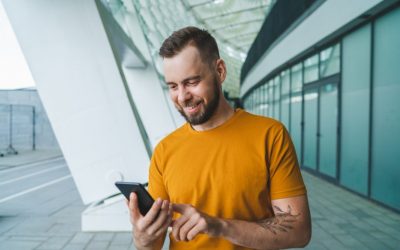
[[193, 222], [149, 228]]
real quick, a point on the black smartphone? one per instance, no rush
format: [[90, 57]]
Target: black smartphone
[[144, 198]]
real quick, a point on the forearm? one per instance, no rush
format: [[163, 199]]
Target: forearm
[[271, 233]]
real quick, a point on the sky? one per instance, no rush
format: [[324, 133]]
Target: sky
[[14, 71]]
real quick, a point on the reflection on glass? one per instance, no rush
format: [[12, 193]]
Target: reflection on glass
[[258, 100], [355, 100], [277, 92], [270, 98], [330, 61], [328, 130], [295, 122], [285, 102], [264, 90], [310, 128], [311, 69], [297, 78], [285, 77], [385, 184]]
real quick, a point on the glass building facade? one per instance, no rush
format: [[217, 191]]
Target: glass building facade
[[339, 104]]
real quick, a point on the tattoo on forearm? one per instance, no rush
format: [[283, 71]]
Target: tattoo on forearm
[[281, 222]]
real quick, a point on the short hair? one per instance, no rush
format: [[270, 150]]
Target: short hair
[[199, 38]]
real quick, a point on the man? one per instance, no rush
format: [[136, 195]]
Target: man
[[229, 179]]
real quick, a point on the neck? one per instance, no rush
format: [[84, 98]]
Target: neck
[[221, 115]]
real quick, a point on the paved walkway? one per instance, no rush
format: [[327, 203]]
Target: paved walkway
[[342, 220], [49, 218], [28, 157]]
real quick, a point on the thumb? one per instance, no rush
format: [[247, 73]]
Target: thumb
[[133, 207]]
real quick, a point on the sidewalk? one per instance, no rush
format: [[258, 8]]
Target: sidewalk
[[341, 220], [29, 157]]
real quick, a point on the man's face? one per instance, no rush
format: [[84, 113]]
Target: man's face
[[193, 86]]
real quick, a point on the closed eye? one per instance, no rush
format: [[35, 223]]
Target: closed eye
[[172, 86], [193, 83]]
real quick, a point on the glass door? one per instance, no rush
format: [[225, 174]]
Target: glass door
[[321, 127], [310, 127], [328, 123]]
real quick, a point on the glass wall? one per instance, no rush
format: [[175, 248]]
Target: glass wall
[[264, 91], [277, 96], [355, 112], [340, 105], [257, 101], [296, 108], [311, 72], [328, 123], [385, 184], [310, 128], [330, 61], [270, 98], [285, 97]]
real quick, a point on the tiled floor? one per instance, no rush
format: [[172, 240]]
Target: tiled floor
[[49, 218], [342, 220]]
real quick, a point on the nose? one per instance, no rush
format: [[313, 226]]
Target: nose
[[183, 95]]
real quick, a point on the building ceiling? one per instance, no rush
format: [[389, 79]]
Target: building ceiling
[[233, 22]]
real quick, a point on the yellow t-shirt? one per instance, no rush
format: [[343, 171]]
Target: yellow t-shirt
[[224, 171]]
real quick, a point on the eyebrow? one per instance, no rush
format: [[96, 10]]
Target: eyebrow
[[196, 77]]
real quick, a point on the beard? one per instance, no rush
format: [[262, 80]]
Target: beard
[[208, 111]]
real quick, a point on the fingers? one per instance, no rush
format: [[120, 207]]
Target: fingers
[[197, 229], [166, 211], [152, 213], [167, 223], [177, 226], [185, 228], [191, 223]]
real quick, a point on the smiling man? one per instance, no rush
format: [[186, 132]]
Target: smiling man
[[226, 179]]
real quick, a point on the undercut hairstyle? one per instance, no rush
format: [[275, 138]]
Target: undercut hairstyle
[[199, 38]]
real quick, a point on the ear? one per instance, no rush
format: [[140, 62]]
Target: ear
[[221, 70]]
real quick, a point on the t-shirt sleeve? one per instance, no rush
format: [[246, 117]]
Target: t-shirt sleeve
[[285, 176], [156, 184]]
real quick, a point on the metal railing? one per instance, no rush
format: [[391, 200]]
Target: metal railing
[[17, 128]]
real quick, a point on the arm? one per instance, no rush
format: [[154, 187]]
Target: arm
[[149, 230], [290, 227]]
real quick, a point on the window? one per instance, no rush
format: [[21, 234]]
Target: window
[[330, 61], [311, 69]]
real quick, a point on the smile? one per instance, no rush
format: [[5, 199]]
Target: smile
[[193, 109]]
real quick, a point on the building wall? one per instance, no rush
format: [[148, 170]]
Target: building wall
[[330, 16], [339, 103], [23, 102], [77, 74]]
